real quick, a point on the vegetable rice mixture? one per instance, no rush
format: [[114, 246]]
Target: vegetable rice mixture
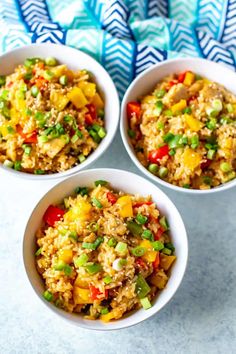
[[51, 118], [103, 253], [185, 131]]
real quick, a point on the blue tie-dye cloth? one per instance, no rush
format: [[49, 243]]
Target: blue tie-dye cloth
[[125, 36]]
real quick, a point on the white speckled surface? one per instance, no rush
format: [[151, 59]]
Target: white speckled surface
[[201, 318]]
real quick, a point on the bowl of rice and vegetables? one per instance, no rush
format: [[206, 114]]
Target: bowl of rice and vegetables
[[102, 253], [183, 131], [52, 118]]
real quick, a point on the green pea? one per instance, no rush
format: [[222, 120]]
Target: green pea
[[153, 168], [51, 61]]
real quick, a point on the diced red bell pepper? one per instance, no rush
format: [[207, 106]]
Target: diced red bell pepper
[[28, 138], [171, 83], [96, 294], [181, 77], [133, 108], [157, 261], [10, 83], [53, 214], [41, 83], [206, 164], [138, 204], [140, 263], [155, 155], [91, 116], [158, 233], [192, 98], [88, 119], [111, 198]]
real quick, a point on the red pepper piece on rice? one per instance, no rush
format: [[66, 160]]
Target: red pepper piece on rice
[[158, 233], [53, 214], [140, 263], [28, 138], [155, 156], [181, 77], [205, 164], [111, 198], [139, 204], [157, 261], [91, 116], [133, 108], [96, 294]]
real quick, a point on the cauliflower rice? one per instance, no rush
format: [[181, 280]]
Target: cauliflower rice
[[51, 118], [103, 253], [184, 131]]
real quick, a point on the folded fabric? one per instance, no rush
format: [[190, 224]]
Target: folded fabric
[[125, 36]]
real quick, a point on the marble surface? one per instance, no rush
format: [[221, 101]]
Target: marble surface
[[201, 318]]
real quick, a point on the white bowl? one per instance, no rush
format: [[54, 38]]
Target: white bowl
[[130, 183], [75, 60], [145, 83]]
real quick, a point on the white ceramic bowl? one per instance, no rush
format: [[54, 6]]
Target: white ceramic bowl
[[130, 183], [145, 83], [75, 60]]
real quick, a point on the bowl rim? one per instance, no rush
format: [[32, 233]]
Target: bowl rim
[[118, 325], [100, 150], [125, 137]]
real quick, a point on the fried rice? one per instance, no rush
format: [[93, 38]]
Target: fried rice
[[51, 118], [184, 131], [103, 253]]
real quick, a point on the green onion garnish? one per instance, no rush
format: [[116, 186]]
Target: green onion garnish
[[160, 125], [38, 252], [63, 80], [17, 165], [211, 124], [112, 242], [60, 265], [138, 251], [166, 251], [134, 228], [93, 268], [10, 129], [96, 203], [73, 235], [121, 248], [170, 246], [107, 279], [27, 149], [81, 260], [100, 182], [102, 133], [67, 270], [147, 234], [81, 158], [187, 110], [93, 245], [48, 295], [141, 219], [2, 80], [210, 154], [172, 152], [34, 91], [142, 288], [81, 190], [8, 163], [39, 172], [160, 94], [131, 133], [101, 113], [157, 245], [74, 138], [168, 137], [207, 180], [104, 311], [230, 108], [225, 167], [164, 223], [93, 226], [50, 61], [145, 303], [194, 142]]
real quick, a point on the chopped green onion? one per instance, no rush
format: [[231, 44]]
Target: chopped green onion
[[48, 75], [163, 172], [42, 139], [50, 61], [207, 180], [101, 113], [211, 112], [217, 105], [48, 295], [210, 154], [60, 265], [102, 133], [141, 219], [119, 263], [147, 234], [17, 165], [81, 190], [172, 152], [34, 91], [145, 303], [168, 113], [168, 137], [93, 245], [131, 133], [104, 311], [5, 94], [31, 61], [93, 268], [10, 129], [194, 141], [38, 252], [81, 158], [157, 245], [230, 107], [159, 106], [68, 118], [107, 279], [112, 242], [28, 76], [96, 203], [160, 94], [225, 167], [134, 228], [100, 182], [93, 226], [138, 251], [27, 149], [121, 247], [142, 288], [63, 80], [2, 80], [153, 168], [73, 235], [164, 223], [186, 185], [74, 138], [160, 125], [211, 124], [95, 136], [39, 172], [8, 163], [170, 246], [187, 110], [67, 270], [225, 120], [81, 260], [166, 251], [231, 175]]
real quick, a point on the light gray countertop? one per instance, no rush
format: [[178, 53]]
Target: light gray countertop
[[201, 318]]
